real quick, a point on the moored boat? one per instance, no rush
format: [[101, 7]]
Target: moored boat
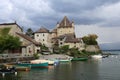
[[7, 70], [80, 59], [64, 59], [34, 65], [50, 62], [19, 68], [96, 56]]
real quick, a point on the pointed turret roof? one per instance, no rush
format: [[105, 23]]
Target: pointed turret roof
[[65, 23], [42, 30]]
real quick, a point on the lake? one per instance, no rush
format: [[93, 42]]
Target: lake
[[101, 69]]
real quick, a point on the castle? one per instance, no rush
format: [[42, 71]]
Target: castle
[[62, 34]]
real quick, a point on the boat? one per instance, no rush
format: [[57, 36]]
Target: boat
[[34, 65], [7, 70], [99, 56], [79, 59], [64, 59], [50, 62], [18, 68], [22, 68]]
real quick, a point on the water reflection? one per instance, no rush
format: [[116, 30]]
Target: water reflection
[[102, 69]]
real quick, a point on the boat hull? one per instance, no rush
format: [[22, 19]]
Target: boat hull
[[41, 65], [79, 59], [50, 62]]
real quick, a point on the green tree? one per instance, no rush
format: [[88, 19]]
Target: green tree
[[29, 32], [90, 39], [74, 52], [64, 49], [9, 42]]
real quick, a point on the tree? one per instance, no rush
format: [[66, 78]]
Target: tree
[[90, 39], [64, 49], [74, 52], [9, 42], [29, 32]]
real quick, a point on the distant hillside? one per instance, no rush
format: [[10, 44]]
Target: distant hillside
[[110, 46]]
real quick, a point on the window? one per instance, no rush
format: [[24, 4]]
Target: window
[[43, 40], [43, 35], [61, 43], [37, 35]]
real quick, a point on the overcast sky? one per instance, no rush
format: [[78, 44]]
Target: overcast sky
[[101, 17]]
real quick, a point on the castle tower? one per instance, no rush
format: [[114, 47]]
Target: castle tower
[[65, 27]]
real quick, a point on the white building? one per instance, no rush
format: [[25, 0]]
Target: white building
[[43, 36]]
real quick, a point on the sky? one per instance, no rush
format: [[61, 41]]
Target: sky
[[100, 17]]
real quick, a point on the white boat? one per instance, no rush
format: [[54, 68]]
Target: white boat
[[50, 62], [97, 56]]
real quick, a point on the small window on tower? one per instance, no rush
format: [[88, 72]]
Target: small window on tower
[[43, 35], [43, 40]]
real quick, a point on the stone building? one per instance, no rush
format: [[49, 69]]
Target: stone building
[[42, 36], [13, 28], [29, 46], [65, 31], [62, 34]]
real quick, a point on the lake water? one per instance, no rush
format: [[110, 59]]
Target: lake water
[[102, 69]]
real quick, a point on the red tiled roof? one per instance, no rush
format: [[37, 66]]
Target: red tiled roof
[[28, 38], [42, 30]]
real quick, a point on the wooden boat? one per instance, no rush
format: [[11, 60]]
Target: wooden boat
[[34, 65], [80, 59], [18, 68], [22, 68]]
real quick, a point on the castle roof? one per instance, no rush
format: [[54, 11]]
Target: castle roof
[[65, 23], [54, 31], [42, 30], [70, 38], [14, 23], [28, 38]]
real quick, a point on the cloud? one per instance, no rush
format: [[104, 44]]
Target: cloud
[[36, 13], [107, 14], [25, 12], [105, 34]]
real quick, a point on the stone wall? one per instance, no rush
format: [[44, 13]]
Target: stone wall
[[92, 48]]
